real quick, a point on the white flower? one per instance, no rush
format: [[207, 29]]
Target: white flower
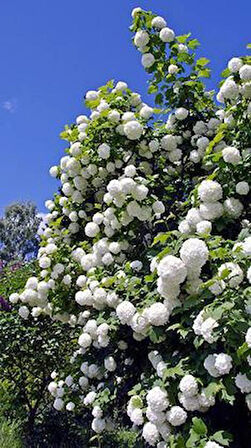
[[172, 69], [24, 312], [158, 22], [91, 229], [53, 171], [168, 142], [158, 207], [70, 406], [223, 363], [84, 340], [176, 416], [245, 72], [209, 365], [235, 64], [157, 399], [204, 227], [136, 265], [125, 311], [242, 188], [147, 60], [211, 210], [207, 328], [58, 404], [150, 433], [104, 151], [172, 269], [184, 227], [210, 191], [92, 95], [248, 337], [189, 386], [158, 314], [194, 253], [233, 207], [141, 38], [146, 112], [114, 116], [243, 383], [248, 401], [137, 417], [231, 155], [229, 89], [213, 445], [249, 274], [182, 48], [135, 11], [181, 113], [167, 34], [98, 425], [235, 276], [110, 363], [193, 217], [44, 262], [133, 130]]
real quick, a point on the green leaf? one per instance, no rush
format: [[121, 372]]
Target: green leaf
[[202, 62], [222, 437], [194, 43], [205, 73], [212, 389], [182, 39], [199, 426], [248, 46], [243, 350]]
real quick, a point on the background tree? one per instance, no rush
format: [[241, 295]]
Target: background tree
[[18, 231]]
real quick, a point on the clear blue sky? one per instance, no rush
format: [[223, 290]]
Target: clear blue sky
[[52, 51]]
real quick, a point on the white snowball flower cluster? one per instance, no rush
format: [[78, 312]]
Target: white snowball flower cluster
[[204, 327], [218, 365]]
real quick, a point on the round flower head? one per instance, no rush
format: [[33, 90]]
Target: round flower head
[[157, 399], [194, 253], [242, 188], [158, 23], [133, 130], [141, 38], [181, 113], [235, 64], [231, 155], [172, 269], [248, 337], [150, 433], [167, 34], [189, 386], [233, 207], [158, 314], [176, 416], [245, 72], [210, 191], [147, 60]]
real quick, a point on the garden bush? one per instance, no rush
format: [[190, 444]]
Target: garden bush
[[146, 254]]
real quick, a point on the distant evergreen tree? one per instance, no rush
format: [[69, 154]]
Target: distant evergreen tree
[[18, 231]]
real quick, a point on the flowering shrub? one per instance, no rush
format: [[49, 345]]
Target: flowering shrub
[[146, 253], [29, 351]]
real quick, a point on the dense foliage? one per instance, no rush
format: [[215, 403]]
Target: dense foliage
[[29, 352], [146, 254], [18, 232]]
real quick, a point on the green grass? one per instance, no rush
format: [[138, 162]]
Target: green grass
[[10, 435]]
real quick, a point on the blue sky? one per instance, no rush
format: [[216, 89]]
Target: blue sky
[[52, 51]]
